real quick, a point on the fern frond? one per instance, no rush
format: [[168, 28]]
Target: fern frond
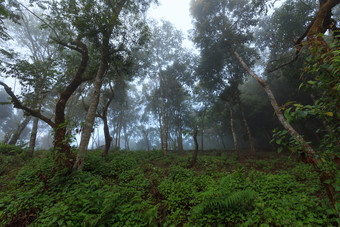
[[225, 202]]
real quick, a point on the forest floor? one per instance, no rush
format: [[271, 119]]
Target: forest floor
[[144, 188]]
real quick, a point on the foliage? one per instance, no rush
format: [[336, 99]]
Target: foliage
[[146, 191], [11, 156]]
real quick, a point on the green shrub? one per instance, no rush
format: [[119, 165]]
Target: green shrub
[[7, 149]]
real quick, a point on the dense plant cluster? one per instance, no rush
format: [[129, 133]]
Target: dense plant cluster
[[145, 189]]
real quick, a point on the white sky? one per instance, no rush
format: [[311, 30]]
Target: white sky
[[177, 12]]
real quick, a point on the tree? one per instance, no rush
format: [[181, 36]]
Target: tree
[[106, 27], [164, 48]]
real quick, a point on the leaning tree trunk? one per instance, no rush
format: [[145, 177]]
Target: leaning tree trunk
[[293, 133], [91, 113], [19, 130], [308, 153], [250, 138]]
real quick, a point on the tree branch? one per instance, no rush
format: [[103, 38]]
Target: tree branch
[[17, 104]]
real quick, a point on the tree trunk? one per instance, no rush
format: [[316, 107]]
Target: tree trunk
[[160, 128], [222, 141], [322, 21], [7, 136], [202, 134], [194, 157], [33, 135], [120, 125], [90, 116], [19, 130], [108, 138], [107, 135], [233, 129], [126, 138], [146, 136], [251, 143], [164, 128], [180, 139]]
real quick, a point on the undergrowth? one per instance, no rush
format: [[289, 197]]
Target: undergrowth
[[145, 189]]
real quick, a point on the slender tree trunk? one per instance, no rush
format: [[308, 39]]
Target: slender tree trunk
[[233, 129], [107, 135], [89, 120], [251, 143], [126, 138], [180, 139], [19, 130], [108, 138], [202, 134], [7, 136], [222, 141], [164, 128], [90, 116], [194, 157], [120, 125], [33, 135], [116, 133]]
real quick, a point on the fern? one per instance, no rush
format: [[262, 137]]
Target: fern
[[224, 202]]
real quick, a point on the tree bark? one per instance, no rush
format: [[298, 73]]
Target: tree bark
[[222, 141], [202, 132], [164, 125], [126, 138], [322, 20], [16, 135], [251, 143], [146, 139], [194, 157], [61, 143], [90, 116], [180, 139], [7, 136], [107, 135], [33, 135], [233, 129]]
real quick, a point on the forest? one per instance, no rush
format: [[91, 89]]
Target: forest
[[108, 118]]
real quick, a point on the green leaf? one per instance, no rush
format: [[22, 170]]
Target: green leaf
[[311, 82], [279, 141]]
